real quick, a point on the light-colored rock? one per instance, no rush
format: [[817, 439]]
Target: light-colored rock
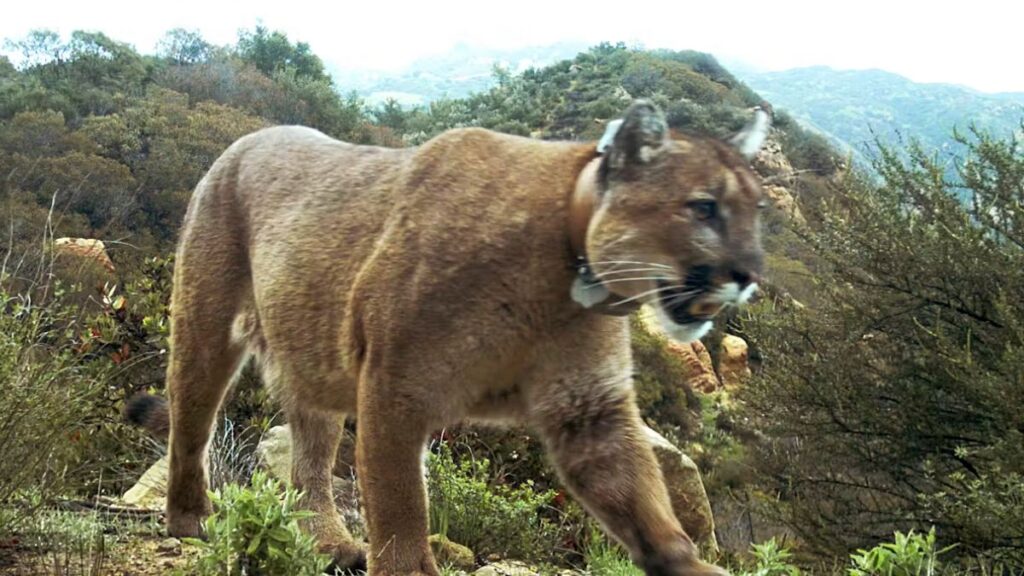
[[772, 163], [620, 93], [169, 547], [275, 452], [783, 201], [700, 372], [86, 249], [448, 553], [686, 490], [779, 178], [507, 568], [734, 362], [151, 489]]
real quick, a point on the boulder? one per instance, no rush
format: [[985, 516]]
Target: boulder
[[734, 362], [85, 250], [169, 547], [151, 489], [779, 177], [274, 452], [700, 373], [771, 162], [686, 490], [448, 553], [783, 201]]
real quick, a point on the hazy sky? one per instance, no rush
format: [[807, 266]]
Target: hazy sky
[[976, 43]]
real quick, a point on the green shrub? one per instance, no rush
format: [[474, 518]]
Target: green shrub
[[895, 400], [771, 559], [604, 558], [907, 555], [70, 544], [468, 508], [662, 391], [48, 401], [256, 531]]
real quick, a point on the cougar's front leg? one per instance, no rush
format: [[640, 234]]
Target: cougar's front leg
[[390, 437], [593, 432]]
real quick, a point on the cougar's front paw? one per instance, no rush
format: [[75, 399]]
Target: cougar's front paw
[[692, 568], [679, 560], [347, 557], [699, 568]]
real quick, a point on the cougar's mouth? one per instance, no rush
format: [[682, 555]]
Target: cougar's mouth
[[694, 302]]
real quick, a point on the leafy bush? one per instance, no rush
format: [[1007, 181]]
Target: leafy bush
[[71, 544], [907, 555], [896, 401], [466, 507], [772, 559], [48, 401], [256, 531], [663, 394]]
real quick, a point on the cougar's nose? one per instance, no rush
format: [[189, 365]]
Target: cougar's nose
[[745, 277]]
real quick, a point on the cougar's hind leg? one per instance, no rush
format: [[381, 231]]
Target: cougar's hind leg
[[211, 284], [316, 435]]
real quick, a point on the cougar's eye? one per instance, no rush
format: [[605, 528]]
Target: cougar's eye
[[762, 205], [704, 210]]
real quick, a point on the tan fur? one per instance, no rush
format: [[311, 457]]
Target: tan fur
[[419, 287]]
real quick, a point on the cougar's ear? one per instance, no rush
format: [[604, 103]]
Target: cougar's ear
[[752, 137], [642, 134]]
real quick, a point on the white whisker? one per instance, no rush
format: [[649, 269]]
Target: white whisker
[[647, 293], [656, 265], [635, 279], [610, 272], [681, 297]]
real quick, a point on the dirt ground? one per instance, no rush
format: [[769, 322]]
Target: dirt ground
[[131, 556]]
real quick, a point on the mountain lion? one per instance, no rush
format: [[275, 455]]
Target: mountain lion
[[479, 276]]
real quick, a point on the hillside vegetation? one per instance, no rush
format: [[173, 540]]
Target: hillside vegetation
[[888, 348]]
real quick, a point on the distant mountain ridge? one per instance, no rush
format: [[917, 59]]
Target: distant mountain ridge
[[458, 73], [852, 106]]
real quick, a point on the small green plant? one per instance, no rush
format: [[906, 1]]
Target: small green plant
[[255, 531], [604, 558], [772, 559], [466, 507], [908, 554]]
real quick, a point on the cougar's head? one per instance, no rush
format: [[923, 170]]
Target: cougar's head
[[675, 222]]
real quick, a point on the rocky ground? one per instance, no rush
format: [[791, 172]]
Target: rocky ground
[[153, 555]]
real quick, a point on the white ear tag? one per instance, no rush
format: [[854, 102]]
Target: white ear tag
[[587, 294], [609, 136]]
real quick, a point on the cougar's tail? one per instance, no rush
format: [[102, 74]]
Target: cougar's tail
[[150, 413]]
